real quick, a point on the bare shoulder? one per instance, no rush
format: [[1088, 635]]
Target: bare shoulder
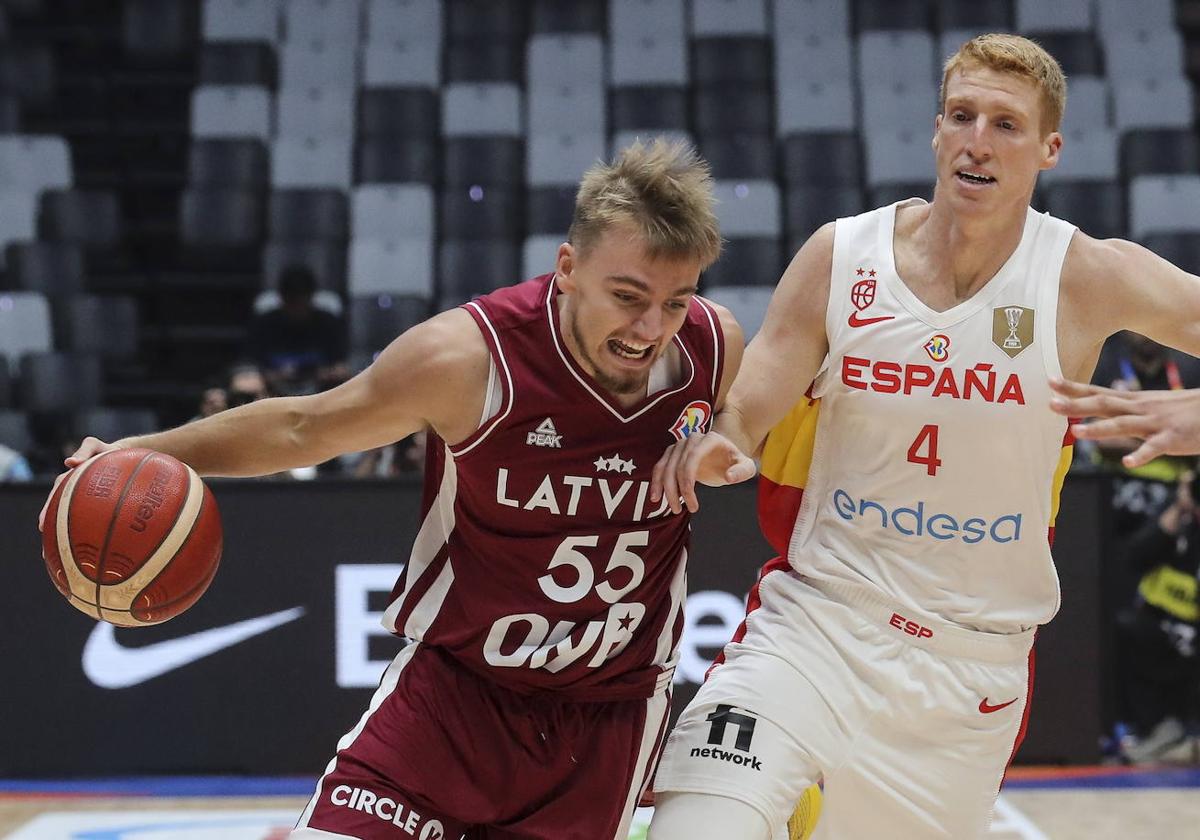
[[1091, 260], [804, 287], [1107, 281], [447, 343], [443, 364]]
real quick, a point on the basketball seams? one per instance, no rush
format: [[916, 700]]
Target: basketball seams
[[153, 553], [112, 525], [77, 579], [188, 531], [193, 592], [185, 520]]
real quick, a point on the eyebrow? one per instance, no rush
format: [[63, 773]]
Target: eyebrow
[[964, 100], [644, 287]]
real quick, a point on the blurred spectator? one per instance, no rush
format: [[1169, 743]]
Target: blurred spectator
[[13, 466], [1157, 648], [214, 400], [405, 457], [246, 384], [1131, 362], [301, 349]]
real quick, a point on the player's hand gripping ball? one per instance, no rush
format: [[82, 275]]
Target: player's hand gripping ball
[[132, 537]]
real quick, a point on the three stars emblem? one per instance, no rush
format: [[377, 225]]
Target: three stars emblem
[[614, 464]]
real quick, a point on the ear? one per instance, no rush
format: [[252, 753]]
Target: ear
[[564, 267], [1052, 148], [937, 129]]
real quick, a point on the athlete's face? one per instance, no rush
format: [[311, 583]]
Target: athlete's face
[[621, 309], [989, 141]]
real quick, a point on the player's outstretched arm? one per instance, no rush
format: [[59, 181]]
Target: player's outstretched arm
[[430, 376], [778, 366], [1167, 422]]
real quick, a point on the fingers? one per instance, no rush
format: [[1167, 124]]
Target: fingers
[[1124, 426], [693, 450], [671, 482], [743, 469], [1147, 452], [1105, 404], [90, 446], [1072, 389], [46, 504], [657, 475]]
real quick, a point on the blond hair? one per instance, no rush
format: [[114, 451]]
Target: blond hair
[[1019, 57], [663, 189]]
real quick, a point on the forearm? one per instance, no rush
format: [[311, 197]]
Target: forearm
[[259, 438], [731, 423]]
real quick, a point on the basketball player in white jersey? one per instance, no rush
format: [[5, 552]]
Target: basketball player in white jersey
[[891, 654], [1167, 422]]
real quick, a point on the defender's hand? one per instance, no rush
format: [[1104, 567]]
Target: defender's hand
[[711, 459], [1167, 422]]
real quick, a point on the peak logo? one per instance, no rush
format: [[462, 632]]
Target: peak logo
[[545, 435], [693, 419]]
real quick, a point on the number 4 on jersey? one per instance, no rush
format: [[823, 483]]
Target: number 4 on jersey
[[928, 438]]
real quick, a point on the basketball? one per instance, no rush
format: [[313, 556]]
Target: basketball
[[132, 537]]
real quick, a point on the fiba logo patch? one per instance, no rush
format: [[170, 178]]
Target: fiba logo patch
[[692, 419], [938, 347]]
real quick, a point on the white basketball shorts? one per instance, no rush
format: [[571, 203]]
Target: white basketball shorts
[[910, 721]]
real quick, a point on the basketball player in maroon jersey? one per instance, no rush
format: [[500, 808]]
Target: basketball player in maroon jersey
[[544, 591], [1167, 422]]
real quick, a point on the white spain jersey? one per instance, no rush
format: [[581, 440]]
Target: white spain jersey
[[937, 463]]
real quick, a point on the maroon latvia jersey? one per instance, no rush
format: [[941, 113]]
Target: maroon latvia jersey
[[541, 562]]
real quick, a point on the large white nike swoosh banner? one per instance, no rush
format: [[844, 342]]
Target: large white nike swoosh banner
[[109, 664]]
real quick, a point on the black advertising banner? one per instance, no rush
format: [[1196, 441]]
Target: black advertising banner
[[281, 655]]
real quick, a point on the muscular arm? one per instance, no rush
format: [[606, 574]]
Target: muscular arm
[[786, 354], [433, 375], [1111, 285], [777, 369]]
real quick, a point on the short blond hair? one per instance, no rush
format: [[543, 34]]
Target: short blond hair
[[1017, 56], [664, 189]]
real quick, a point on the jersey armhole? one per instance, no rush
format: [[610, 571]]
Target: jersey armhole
[[718, 349], [1049, 288], [496, 406]]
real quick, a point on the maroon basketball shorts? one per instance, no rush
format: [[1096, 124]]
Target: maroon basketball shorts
[[442, 751]]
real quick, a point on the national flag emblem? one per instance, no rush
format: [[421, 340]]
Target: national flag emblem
[[693, 419], [938, 347]]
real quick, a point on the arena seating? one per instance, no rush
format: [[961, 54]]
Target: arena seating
[[162, 161]]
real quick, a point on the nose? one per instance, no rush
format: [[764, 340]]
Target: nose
[[649, 324], [979, 145]]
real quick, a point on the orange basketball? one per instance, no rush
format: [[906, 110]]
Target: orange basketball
[[132, 537]]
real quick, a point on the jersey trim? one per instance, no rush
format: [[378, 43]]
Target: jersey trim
[[493, 342], [568, 360], [718, 336], [429, 545]]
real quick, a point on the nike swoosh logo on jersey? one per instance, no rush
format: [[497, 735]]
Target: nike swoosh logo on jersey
[[109, 664], [855, 321], [987, 709]]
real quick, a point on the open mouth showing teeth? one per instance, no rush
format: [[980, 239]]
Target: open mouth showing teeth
[[625, 351], [972, 178]]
